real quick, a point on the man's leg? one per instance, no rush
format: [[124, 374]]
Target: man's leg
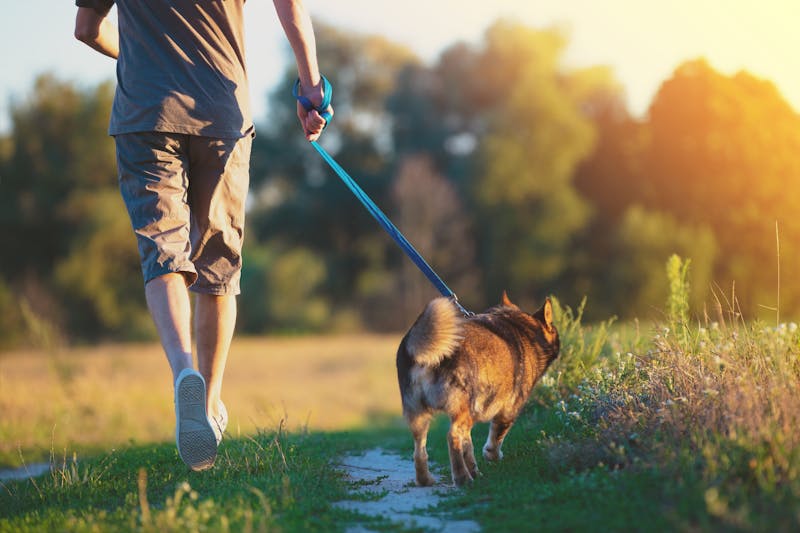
[[168, 301], [219, 171], [154, 185], [215, 319]]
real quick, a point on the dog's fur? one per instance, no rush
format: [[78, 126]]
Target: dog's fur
[[475, 369]]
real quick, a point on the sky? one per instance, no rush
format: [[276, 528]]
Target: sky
[[643, 41]]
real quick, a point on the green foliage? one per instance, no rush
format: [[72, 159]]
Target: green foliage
[[101, 273], [506, 168], [296, 275], [431, 214], [723, 151], [536, 137], [643, 243], [60, 146], [678, 301], [12, 330], [63, 222], [253, 312], [281, 291], [582, 347], [269, 481]]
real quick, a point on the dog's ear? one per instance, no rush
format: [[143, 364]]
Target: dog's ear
[[545, 313], [548, 313], [505, 300]]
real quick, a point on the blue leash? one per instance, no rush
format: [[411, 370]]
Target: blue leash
[[373, 209]]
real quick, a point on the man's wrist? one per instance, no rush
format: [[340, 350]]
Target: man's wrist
[[315, 93]]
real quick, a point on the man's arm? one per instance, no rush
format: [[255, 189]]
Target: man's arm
[[93, 28], [297, 26]]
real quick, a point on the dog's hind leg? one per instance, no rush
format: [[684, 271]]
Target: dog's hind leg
[[458, 438], [469, 457], [497, 432], [419, 424]]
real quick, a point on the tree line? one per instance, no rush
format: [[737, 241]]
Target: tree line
[[504, 168]]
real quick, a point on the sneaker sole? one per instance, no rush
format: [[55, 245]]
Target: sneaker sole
[[197, 444]]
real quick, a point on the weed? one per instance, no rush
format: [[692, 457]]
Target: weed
[[678, 301]]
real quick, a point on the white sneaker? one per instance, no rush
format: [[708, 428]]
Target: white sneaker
[[219, 422], [196, 439]]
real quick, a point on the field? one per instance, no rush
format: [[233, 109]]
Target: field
[[669, 427], [99, 398]]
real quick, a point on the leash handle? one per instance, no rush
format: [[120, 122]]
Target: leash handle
[[322, 109]]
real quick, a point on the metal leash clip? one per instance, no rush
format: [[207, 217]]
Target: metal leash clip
[[464, 311]]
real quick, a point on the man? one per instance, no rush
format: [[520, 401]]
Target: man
[[182, 126]]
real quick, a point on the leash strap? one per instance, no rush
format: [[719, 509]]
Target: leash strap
[[373, 209], [384, 221]]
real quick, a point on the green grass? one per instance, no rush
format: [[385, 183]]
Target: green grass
[[683, 427], [271, 481], [275, 481]]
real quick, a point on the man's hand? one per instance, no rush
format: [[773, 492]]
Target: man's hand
[[297, 25], [311, 121]]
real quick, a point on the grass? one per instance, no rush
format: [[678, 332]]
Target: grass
[[269, 481], [675, 427], [685, 430], [89, 400]]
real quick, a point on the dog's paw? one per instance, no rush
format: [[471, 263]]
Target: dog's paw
[[425, 481], [492, 454], [460, 481]]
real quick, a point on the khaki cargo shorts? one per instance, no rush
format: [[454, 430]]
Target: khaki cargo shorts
[[186, 195]]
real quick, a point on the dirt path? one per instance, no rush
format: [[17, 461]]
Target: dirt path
[[24, 472], [403, 503]]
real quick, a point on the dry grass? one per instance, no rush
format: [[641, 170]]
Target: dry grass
[[101, 397], [740, 385], [719, 404]]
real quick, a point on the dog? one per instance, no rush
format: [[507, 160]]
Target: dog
[[476, 369]]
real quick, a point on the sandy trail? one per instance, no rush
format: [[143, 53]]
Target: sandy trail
[[403, 503]]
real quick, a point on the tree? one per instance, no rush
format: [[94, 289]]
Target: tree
[[430, 213], [725, 152], [642, 243], [611, 178], [68, 251], [101, 274], [507, 124], [298, 199], [59, 145], [535, 136]]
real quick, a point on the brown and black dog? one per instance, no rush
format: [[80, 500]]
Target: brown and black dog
[[475, 369]]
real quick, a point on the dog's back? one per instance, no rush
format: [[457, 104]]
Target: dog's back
[[477, 369], [486, 364]]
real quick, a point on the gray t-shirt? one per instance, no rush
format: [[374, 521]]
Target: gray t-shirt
[[181, 67]]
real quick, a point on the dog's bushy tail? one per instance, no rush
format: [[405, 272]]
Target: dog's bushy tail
[[436, 334]]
